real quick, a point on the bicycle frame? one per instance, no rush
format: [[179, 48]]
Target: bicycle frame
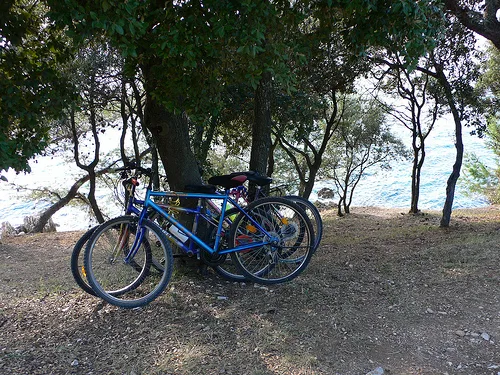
[[148, 203], [191, 249]]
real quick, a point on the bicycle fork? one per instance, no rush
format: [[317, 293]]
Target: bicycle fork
[[123, 238]]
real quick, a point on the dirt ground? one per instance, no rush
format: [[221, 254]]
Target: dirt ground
[[385, 289]]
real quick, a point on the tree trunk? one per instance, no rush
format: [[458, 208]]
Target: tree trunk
[[202, 140], [125, 116], [89, 168], [452, 180], [486, 24], [309, 185], [92, 200], [171, 136], [339, 207], [72, 193], [261, 129], [271, 161], [418, 162]]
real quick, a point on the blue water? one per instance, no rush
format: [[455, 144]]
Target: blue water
[[393, 188], [378, 188]]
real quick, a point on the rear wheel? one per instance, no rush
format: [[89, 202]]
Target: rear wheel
[[128, 283], [313, 215], [77, 267], [227, 269], [287, 236]]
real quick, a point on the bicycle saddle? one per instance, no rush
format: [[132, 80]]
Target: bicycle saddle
[[232, 180]]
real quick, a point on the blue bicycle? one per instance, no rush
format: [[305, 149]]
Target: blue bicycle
[[133, 205], [270, 241]]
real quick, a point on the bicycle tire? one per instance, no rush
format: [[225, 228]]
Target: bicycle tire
[[313, 214], [77, 266], [283, 222], [228, 270], [156, 218], [117, 282]]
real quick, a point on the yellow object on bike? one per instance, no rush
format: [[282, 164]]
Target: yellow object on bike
[[251, 228]]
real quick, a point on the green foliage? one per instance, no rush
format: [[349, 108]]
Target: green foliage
[[489, 84], [405, 25], [193, 50], [31, 89], [196, 50], [480, 178]]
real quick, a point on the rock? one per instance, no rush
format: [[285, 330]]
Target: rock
[[377, 371], [31, 221], [7, 230], [485, 336], [460, 333], [74, 363], [323, 206], [326, 193], [260, 287]]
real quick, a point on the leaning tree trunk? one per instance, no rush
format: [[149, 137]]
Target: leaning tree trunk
[[487, 24], [459, 145], [72, 193]]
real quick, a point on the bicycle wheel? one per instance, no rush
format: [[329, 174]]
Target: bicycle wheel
[[127, 284], [157, 259], [77, 267], [313, 215], [227, 269], [289, 238]]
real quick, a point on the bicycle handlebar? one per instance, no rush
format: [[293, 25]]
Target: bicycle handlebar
[[131, 166]]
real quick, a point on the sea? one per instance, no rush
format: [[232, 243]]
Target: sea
[[380, 188]]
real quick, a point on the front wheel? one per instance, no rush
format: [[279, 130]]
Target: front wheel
[[286, 235], [134, 282]]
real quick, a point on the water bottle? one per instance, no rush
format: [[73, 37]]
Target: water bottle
[[174, 231]]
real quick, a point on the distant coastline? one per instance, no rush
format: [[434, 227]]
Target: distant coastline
[[379, 188]]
